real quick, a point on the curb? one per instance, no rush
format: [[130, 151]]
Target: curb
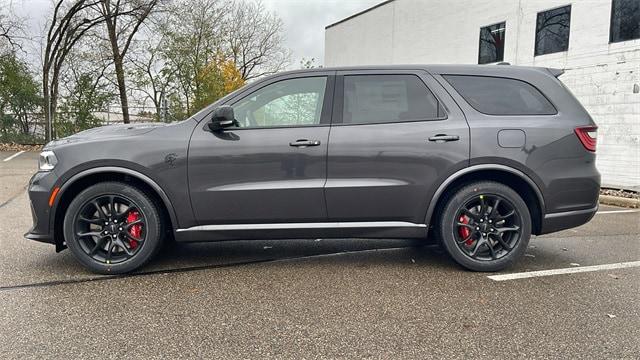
[[619, 201]]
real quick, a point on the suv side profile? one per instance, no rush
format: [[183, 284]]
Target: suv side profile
[[478, 157]]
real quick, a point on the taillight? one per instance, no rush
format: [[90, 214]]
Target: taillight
[[588, 136]]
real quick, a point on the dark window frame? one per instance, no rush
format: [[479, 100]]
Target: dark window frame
[[555, 108], [504, 42], [535, 44], [611, 23], [339, 97], [325, 113]]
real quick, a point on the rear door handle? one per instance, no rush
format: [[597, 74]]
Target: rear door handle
[[304, 143], [440, 138]]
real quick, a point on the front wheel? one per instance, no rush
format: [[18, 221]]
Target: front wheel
[[112, 228], [485, 226]]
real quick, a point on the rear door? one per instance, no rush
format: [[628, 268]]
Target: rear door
[[395, 136]]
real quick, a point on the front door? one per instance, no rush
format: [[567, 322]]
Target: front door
[[271, 168], [396, 136]]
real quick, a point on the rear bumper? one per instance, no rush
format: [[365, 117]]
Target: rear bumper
[[565, 220]]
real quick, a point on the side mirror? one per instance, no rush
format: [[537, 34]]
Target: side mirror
[[222, 118]]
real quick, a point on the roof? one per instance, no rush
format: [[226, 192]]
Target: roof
[[433, 69], [359, 13]]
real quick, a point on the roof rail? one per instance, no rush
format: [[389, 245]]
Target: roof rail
[[503, 63]]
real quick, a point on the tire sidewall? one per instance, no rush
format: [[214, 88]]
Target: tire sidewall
[[461, 197], [145, 204]]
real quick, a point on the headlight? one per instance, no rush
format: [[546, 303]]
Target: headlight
[[47, 160]]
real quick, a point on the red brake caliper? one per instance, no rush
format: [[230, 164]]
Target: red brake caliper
[[464, 231], [135, 230]]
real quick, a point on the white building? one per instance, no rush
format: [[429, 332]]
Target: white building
[[597, 42]]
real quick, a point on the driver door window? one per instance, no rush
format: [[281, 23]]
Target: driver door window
[[293, 102]]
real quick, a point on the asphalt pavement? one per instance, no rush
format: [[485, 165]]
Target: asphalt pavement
[[320, 298]]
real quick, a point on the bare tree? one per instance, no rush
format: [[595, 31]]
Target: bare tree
[[11, 29], [150, 75], [123, 20], [69, 23], [255, 40]]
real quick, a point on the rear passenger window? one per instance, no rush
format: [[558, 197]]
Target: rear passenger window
[[501, 96], [387, 98]]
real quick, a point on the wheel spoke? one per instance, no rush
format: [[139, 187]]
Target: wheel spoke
[[468, 213], [494, 209], [97, 246], [90, 233], [95, 221], [139, 221], [507, 228], [502, 217], [123, 213], [502, 242], [457, 224], [483, 206], [110, 247], [491, 250], [100, 211], [121, 244], [479, 242], [112, 206], [131, 237]]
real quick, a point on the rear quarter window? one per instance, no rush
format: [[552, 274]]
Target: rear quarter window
[[501, 96]]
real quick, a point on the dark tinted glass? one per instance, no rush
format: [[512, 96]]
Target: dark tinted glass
[[552, 30], [625, 20], [491, 43], [501, 96], [387, 98]]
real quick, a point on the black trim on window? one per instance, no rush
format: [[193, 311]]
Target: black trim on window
[[552, 30], [625, 20], [327, 106], [338, 104], [473, 102], [491, 46]]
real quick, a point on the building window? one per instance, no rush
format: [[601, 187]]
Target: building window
[[491, 43], [625, 20], [552, 30]]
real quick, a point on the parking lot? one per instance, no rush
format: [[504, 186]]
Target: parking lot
[[319, 298]]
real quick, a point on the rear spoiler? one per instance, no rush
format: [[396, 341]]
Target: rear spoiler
[[556, 72]]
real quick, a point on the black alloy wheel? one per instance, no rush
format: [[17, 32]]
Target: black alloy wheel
[[113, 227], [488, 227], [110, 228], [484, 226]]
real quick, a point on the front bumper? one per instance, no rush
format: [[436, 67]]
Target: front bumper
[[565, 220], [40, 187]]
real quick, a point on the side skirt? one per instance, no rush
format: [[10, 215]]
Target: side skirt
[[374, 229]]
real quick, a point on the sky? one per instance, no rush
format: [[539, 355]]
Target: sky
[[304, 21]]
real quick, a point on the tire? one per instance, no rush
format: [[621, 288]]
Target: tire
[[113, 242], [476, 238]]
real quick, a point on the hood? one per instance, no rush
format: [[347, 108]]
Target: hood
[[104, 132]]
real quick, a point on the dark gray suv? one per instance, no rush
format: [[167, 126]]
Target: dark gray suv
[[477, 157]]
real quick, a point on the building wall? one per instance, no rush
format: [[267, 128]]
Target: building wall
[[600, 74]]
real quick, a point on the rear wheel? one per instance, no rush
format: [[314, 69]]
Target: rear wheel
[[112, 228], [485, 226]]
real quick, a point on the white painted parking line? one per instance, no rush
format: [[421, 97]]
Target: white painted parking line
[[572, 270], [617, 211], [14, 155]]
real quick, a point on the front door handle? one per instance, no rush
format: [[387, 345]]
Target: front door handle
[[440, 138], [303, 143]]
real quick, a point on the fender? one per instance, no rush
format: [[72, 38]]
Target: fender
[[122, 170], [448, 181]]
